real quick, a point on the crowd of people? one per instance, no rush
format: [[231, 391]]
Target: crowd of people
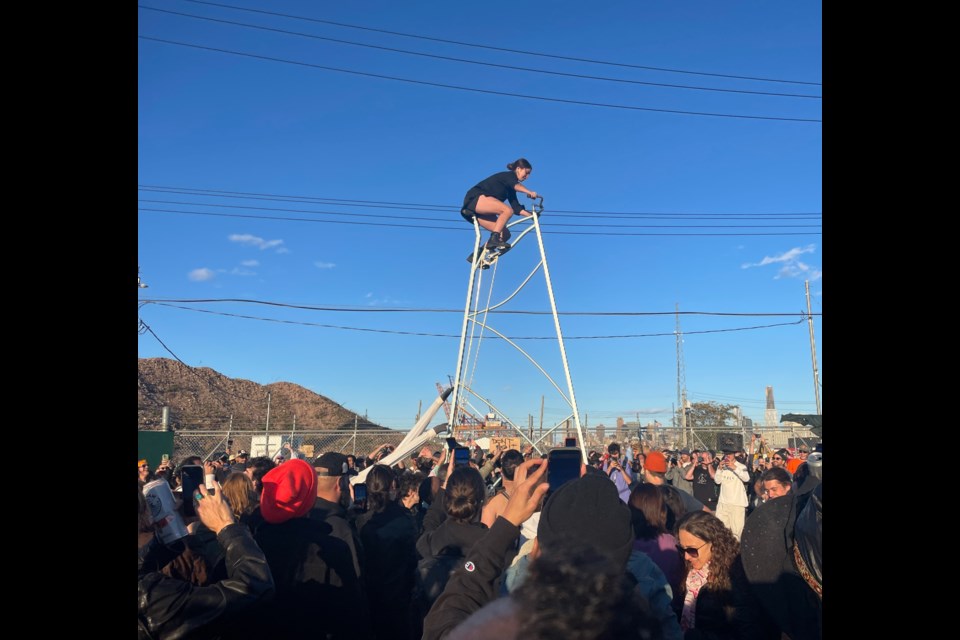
[[645, 544]]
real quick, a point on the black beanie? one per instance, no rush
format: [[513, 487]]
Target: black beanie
[[588, 510]]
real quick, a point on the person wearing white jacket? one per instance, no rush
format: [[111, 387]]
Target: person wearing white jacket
[[732, 502]]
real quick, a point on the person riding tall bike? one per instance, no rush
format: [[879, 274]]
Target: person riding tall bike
[[486, 201]]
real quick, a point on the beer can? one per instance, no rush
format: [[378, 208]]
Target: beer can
[[163, 509]]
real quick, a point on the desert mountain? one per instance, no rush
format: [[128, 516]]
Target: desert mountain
[[201, 398]]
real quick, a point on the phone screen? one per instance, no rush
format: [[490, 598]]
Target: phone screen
[[563, 466], [360, 496], [461, 456], [191, 478]]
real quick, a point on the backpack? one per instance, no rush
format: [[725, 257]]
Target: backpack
[[432, 575]]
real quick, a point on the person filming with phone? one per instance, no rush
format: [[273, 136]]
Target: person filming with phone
[[618, 470]]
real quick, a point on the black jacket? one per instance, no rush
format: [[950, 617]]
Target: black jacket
[[731, 614], [342, 527], [470, 589], [171, 608], [318, 592]]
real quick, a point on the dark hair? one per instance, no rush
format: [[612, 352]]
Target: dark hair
[[408, 482], [260, 465], [379, 482], [779, 474], [724, 547], [648, 511], [613, 446], [464, 494], [673, 501], [577, 592], [523, 163], [509, 461]]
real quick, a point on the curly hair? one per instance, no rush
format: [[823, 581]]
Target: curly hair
[[463, 497], [724, 547], [648, 511], [577, 593]]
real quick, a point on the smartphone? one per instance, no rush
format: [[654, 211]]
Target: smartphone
[[165, 458], [563, 465], [191, 479], [452, 443], [570, 442], [360, 496], [461, 457]]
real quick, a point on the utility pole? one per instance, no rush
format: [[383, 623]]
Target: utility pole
[[681, 383], [813, 349], [541, 418], [267, 430], [419, 408]]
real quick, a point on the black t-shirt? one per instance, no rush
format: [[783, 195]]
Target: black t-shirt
[[500, 186], [704, 488]]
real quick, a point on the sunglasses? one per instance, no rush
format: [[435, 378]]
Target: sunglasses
[[693, 552], [776, 458]]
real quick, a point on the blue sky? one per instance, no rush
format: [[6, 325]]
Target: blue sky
[[251, 159]]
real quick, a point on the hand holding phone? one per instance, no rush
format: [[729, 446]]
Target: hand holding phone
[[563, 466], [461, 457], [191, 479], [360, 496]]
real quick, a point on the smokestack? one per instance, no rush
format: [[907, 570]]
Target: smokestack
[[165, 419]]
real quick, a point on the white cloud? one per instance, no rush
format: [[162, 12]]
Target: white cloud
[[324, 265], [250, 263], [791, 265], [386, 300], [239, 271], [256, 241], [201, 275]]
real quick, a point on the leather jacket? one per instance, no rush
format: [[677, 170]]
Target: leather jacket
[[173, 609]]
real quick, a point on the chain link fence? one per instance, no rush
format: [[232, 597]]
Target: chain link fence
[[309, 444]]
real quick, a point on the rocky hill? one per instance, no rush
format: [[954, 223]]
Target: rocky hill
[[201, 398]]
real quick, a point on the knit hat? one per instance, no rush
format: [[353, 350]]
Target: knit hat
[[588, 510], [655, 462], [289, 491]]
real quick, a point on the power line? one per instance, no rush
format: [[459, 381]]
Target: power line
[[476, 62], [348, 309], [492, 48], [450, 335], [460, 227], [449, 219], [380, 204], [191, 369], [475, 90]]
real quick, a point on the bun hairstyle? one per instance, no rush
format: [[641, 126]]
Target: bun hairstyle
[[523, 163], [464, 494]]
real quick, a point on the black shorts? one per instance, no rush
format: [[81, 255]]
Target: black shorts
[[470, 204]]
